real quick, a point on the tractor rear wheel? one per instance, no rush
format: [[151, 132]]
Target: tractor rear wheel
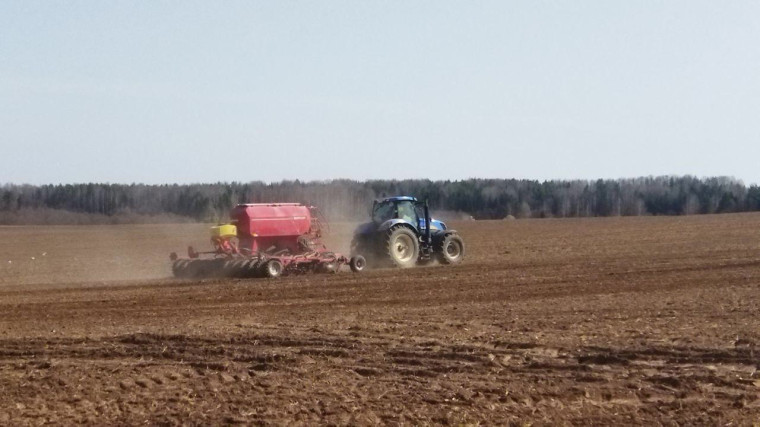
[[452, 250], [402, 247]]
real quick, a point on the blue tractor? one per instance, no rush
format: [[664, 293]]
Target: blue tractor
[[402, 234]]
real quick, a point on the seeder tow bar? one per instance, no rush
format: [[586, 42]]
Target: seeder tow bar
[[265, 240]]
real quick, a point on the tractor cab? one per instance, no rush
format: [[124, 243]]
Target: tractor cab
[[403, 209]]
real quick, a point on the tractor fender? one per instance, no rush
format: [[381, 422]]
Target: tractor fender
[[437, 236], [366, 228], [387, 225]]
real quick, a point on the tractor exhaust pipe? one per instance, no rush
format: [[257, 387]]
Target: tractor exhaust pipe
[[427, 224]]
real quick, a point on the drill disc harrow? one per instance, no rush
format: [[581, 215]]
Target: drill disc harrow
[[197, 268]]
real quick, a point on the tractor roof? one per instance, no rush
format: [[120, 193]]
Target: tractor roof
[[399, 199]]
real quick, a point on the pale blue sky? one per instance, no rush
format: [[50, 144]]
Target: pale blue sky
[[161, 92]]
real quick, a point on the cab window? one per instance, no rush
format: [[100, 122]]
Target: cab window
[[406, 212], [383, 212]]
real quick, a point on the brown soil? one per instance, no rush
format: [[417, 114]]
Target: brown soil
[[595, 321]]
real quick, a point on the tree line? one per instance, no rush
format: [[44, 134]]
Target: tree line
[[350, 200]]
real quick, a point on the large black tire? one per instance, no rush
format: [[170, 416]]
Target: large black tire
[[402, 247], [451, 250], [193, 269], [231, 268], [252, 268], [179, 268]]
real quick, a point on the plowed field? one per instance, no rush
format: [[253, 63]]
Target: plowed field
[[590, 321]]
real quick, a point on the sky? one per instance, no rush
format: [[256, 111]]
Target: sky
[[182, 92]]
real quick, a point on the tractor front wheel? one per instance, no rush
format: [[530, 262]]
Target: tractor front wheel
[[452, 250], [402, 247]]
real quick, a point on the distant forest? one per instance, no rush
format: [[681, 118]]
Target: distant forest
[[350, 200]]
